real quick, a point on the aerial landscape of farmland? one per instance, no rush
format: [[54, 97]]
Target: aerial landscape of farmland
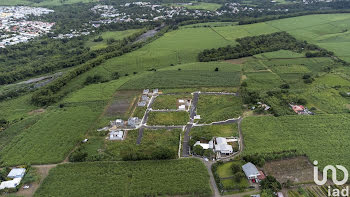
[[174, 98]]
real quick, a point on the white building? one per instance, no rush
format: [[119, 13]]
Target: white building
[[10, 184], [17, 173], [222, 146], [250, 171], [182, 107], [116, 135]]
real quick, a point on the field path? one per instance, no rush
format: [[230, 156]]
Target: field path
[[43, 171]]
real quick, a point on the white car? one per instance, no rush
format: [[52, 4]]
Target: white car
[[26, 187]]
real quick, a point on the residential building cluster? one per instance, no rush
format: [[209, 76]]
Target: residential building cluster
[[154, 12], [16, 27], [16, 175]]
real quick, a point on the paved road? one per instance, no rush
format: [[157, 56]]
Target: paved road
[[144, 119], [193, 113], [164, 127], [213, 186]]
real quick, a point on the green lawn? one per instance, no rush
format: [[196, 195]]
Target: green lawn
[[168, 118], [142, 178], [214, 108]]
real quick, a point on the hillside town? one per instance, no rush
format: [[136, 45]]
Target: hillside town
[[15, 26]]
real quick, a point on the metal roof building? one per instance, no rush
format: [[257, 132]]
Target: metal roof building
[[250, 171]]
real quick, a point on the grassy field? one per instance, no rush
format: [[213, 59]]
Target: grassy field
[[197, 74], [321, 137], [214, 108], [152, 141], [116, 35], [208, 132], [169, 101], [168, 118], [175, 47], [144, 178]]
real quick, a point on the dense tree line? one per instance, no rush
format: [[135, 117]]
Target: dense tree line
[[250, 46]]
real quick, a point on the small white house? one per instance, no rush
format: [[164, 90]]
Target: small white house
[[17, 173], [182, 107], [10, 184], [145, 91], [116, 135], [250, 171], [205, 146], [141, 104]]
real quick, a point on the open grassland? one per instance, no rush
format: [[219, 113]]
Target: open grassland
[[208, 132], [108, 35], [214, 108], [152, 142], [189, 75], [169, 101], [321, 137], [168, 118], [143, 178]]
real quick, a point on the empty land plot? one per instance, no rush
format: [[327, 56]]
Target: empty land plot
[[264, 80], [139, 112], [184, 79], [321, 137], [208, 132], [141, 178], [214, 108], [297, 170], [154, 143], [121, 104], [168, 118], [169, 101]]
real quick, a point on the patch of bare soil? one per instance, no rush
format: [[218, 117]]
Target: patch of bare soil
[[237, 61], [43, 171], [37, 111], [298, 170], [122, 102]]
